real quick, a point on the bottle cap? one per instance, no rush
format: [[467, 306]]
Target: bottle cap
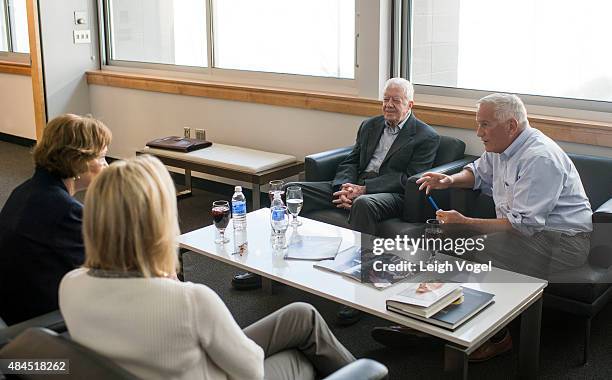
[[238, 189]]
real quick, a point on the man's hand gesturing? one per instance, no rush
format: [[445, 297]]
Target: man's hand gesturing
[[434, 181]]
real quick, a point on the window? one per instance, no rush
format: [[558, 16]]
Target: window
[[158, 31], [305, 37], [553, 48], [308, 37], [13, 26]]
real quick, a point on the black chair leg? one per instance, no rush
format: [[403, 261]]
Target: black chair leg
[[587, 340]]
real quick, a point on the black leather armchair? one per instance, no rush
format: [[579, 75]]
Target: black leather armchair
[[53, 321], [450, 158], [583, 291], [37, 342]]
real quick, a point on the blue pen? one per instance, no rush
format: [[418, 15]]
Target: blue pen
[[433, 203]]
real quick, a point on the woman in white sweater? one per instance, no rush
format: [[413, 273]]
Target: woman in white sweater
[[126, 303]]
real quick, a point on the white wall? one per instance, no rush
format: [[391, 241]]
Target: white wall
[[136, 117], [17, 106]]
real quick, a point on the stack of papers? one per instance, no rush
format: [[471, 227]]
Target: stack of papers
[[313, 247]]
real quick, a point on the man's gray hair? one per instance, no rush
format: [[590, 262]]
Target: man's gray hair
[[402, 83], [507, 106]]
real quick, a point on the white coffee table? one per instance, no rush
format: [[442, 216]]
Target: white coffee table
[[515, 294]]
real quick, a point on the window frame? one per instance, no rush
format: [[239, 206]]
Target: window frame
[[9, 55], [457, 95], [210, 73]]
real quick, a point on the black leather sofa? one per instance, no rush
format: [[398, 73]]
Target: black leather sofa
[[583, 291], [450, 158]]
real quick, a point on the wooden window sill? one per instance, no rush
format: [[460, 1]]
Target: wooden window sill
[[561, 129], [15, 68]]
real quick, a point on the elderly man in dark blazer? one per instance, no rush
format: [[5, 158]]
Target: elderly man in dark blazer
[[368, 183]]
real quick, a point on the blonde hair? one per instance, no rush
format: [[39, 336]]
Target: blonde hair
[[69, 142], [130, 219]]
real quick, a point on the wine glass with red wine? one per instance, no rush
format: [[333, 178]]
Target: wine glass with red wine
[[221, 215]]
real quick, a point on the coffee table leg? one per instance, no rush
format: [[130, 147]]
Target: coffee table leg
[[266, 285], [529, 351], [256, 197], [455, 362]]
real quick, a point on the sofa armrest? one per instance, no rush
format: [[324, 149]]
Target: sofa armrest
[[362, 369], [416, 208], [322, 166], [449, 168], [52, 321], [604, 213]]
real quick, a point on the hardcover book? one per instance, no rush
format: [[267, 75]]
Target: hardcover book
[[457, 313], [426, 298]]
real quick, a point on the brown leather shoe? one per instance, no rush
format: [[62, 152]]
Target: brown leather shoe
[[490, 349]]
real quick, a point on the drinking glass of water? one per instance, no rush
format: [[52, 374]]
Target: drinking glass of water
[[295, 201], [279, 220], [433, 233], [276, 187], [221, 215]]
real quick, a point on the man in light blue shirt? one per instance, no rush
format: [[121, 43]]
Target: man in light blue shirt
[[539, 197], [543, 219]]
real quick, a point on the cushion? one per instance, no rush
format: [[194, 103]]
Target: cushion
[[584, 284], [229, 157], [450, 149], [336, 217]]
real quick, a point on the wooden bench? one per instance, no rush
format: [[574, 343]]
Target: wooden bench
[[241, 164]]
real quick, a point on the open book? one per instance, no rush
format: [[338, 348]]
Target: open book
[[352, 262]]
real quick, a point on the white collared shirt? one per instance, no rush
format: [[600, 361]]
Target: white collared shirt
[[384, 144]]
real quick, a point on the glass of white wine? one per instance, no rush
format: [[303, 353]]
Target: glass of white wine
[[295, 201]]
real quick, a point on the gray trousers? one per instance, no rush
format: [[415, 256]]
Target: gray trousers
[[298, 344], [539, 255], [366, 212]]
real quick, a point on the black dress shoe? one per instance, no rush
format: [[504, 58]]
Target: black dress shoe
[[348, 316], [246, 281], [401, 337]]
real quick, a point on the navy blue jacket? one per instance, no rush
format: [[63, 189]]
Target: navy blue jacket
[[40, 241]]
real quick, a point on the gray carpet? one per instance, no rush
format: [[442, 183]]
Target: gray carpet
[[561, 344]]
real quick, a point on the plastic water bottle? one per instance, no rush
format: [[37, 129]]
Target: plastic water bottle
[[239, 208]]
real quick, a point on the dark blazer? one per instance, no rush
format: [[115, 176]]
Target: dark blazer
[[413, 151], [40, 240]]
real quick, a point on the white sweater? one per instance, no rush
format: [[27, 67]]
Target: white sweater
[[158, 328]]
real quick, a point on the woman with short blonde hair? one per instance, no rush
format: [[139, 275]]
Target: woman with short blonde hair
[[132, 225], [126, 303], [40, 224]]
